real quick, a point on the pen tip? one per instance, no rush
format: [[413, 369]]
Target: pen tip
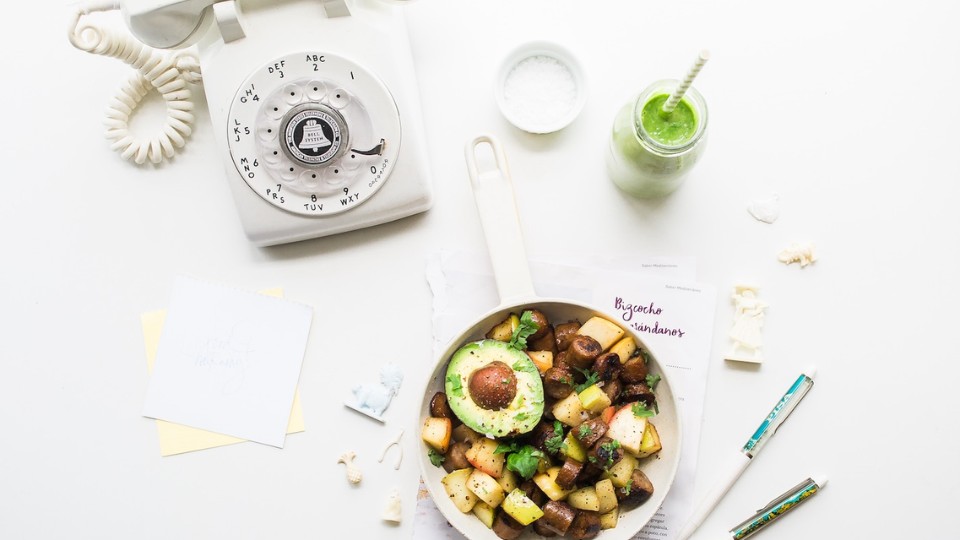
[[811, 371]]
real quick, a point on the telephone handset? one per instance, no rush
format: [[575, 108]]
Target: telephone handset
[[314, 102]]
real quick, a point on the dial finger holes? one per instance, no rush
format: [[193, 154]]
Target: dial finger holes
[[315, 90], [288, 173], [338, 98], [310, 179], [276, 109], [267, 132], [352, 161], [272, 155], [292, 94], [335, 175]]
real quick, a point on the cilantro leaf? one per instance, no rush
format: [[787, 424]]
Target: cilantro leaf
[[525, 461], [652, 381], [456, 387], [626, 488], [592, 379], [520, 365], [555, 443], [640, 410], [436, 458], [585, 431], [504, 448], [527, 328]]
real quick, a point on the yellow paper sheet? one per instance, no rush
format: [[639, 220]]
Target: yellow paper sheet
[[177, 438]]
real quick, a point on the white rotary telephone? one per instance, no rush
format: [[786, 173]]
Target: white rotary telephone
[[314, 103]]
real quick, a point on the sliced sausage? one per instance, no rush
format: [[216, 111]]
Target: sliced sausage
[[541, 434], [583, 350], [542, 323], [546, 343], [441, 409], [585, 526], [638, 392], [456, 457], [637, 491], [558, 381], [506, 527], [541, 528], [612, 389], [567, 477], [606, 453], [607, 367], [591, 431], [558, 516], [565, 333], [634, 370]]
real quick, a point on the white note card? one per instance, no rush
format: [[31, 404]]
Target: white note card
[[228, 361]]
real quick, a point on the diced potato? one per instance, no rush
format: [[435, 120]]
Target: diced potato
[[542, 359], [436, 432], [508, 480], [625, 348], [627, 428], [486, 488], [622, 471], [547, 482], [610, 519], [573, 449], [462, 433], [518, 506], [605, 332], [594, 399], [606, 495], [484, 513], [569, 410], [584, 499], [455, 484], [483, 456], [504, 330], [650, 444]]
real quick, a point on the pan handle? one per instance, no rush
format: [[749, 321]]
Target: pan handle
[[493, 193]]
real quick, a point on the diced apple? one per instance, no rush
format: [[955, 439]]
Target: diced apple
[[462, 433], [507, 480], [650, 444], [486, 488], [518, 506], [610, 519], [436, 432], [542, 359], [483, 456], [605, 332], [606, 495], [484, 513], [504, 330], [594, 399], [569, 410], [455, 484], [584, 499], [573, 449], [625, 348], [627, 428], [547, 482], [622, 471]]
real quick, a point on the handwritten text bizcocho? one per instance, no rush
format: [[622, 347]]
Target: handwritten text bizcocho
[[651, 311]]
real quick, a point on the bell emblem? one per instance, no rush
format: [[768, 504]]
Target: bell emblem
[[313, 137]]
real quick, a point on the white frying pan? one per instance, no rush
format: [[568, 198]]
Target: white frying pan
[[493, 192]]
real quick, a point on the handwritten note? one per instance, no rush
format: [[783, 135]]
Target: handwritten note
[[228, 361]]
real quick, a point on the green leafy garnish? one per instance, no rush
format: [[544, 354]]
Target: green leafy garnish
[[609, 449], [520, 365], [652, 381], [525, 461], [527, 328], [456, 387], [585, 431], [555, 443], [504, 448], [436, 458], [592, 379], [645, 355], [641, 410], [626, 488], [521, 416]]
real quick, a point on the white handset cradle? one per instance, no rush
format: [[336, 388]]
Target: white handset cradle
[[314, 104]]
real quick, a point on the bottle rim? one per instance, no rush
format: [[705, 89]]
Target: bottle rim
[[692, 97]]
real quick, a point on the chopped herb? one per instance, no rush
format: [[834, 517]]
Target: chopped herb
[[652, 381], [436, 458], [566, 381], [555, 443], [456, 387], [585, 431], [645, 355], [527, 328], [525, 461], [521, 416], [592, 459], [592, 379], [641, 410], [626, 488], [520, 365], [609, 450], [503, 448]]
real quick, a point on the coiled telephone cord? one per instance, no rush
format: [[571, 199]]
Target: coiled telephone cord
[[168, 73]]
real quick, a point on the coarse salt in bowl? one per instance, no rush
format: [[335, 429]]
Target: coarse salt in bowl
[[540, 88]]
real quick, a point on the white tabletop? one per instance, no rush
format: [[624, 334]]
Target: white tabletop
[[847, 110]]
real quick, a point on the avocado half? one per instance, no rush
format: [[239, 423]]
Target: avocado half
[[523, 412]]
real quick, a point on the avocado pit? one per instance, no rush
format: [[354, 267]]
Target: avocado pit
[[493, 386]]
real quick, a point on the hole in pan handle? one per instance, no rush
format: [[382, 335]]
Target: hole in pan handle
[[493, 193]]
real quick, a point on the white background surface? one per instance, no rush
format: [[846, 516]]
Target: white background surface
[[847, 109]]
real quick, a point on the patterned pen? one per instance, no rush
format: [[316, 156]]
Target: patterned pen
[[778, 507]]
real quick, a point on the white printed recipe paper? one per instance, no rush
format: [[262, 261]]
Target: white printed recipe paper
[[228, 361]]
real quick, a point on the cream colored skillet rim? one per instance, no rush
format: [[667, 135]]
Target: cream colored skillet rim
[[493, 193]]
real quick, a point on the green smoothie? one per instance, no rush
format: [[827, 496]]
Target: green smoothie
[[651, 151], [673, 128]]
